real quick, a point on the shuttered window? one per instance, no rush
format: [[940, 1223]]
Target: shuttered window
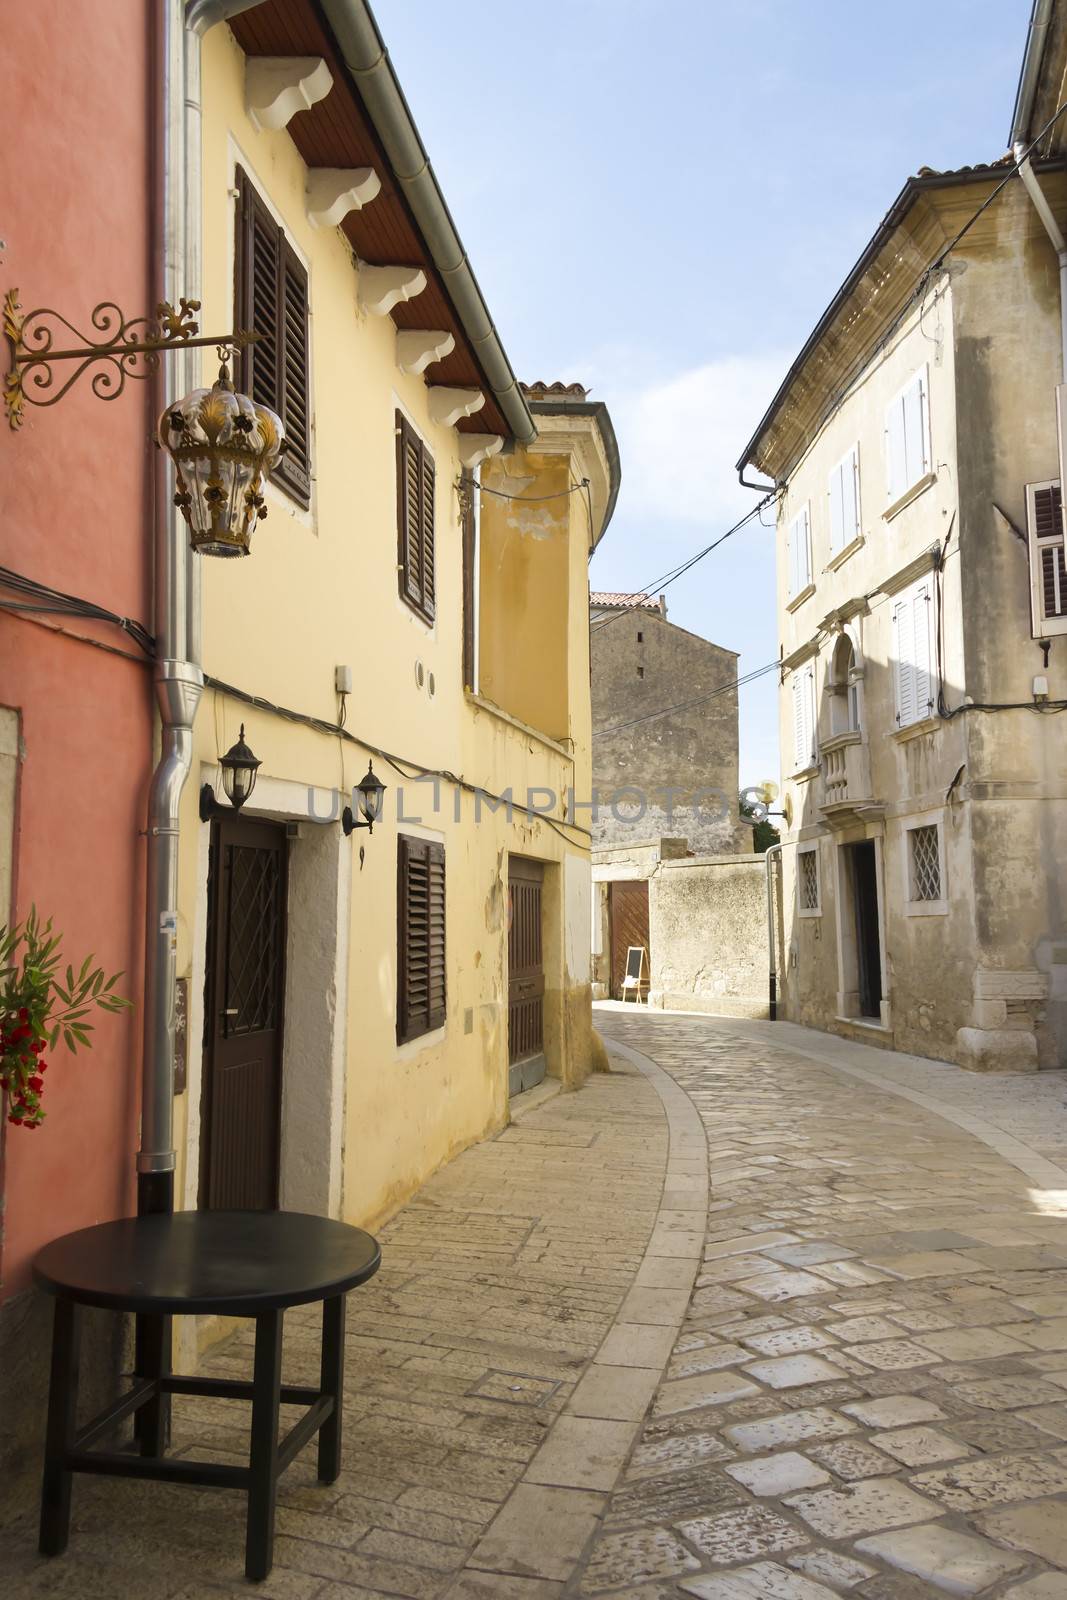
[[799, 552], [1048, 572], [415, 519], [907, 437], [470, 581], [913, 653], [804, 755], [271, 299], [420, 998], [845, 502]]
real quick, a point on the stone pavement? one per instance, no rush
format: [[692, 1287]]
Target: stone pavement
[[868, 1395], [736, 1322]]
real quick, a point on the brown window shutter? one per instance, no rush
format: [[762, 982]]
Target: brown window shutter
[[420, 937], [1048, 522], [436, 943], [271, 299], [469, 541], [414, 519]]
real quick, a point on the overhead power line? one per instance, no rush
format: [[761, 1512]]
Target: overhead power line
[[684, 705], [657, 585]]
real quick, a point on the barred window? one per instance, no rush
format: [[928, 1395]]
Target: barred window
[[925, 863], [808, 879]]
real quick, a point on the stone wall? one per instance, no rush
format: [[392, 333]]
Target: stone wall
[[708, 935], [672, 775]]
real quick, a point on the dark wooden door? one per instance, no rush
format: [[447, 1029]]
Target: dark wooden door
[[243, 1026], [526, 975], [628, 915], [868, 942]]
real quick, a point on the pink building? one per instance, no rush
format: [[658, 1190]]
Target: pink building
[[76, 719]]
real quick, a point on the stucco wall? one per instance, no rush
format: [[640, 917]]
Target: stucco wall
[[708, 928], [691, 751], [321, 589]]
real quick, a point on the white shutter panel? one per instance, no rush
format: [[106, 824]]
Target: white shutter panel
[[799, 758], [904, 659], [838, 537], [922, 604], [791, 557], [851, 494], [915, 449], [805, 548], [895, 453], [1048, 569], [809, 700]]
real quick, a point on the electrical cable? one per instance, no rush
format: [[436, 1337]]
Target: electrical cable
[[684, 705], [398, 763], [530, 499], [674, 573], [78, 638], [57, 601]]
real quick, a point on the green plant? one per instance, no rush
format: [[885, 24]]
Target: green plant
[[38, 1006]]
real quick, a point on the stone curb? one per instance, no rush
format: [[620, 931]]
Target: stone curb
[[538, 1539]]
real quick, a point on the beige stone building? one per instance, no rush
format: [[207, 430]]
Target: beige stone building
[[667, 872], [922, 603]]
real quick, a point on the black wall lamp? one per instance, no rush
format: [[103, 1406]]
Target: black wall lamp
[[239, 767], [370, 797]]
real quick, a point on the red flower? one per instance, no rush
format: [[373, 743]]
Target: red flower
[[15, 1117], [37, 1046], [23, 1014], [42, 1066], [36, 1084]]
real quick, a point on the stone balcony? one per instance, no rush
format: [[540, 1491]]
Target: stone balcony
[[845, 795]]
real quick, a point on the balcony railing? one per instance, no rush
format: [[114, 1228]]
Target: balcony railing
[[846, 778]]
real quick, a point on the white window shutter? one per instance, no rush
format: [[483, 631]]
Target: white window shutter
[[915, 430], [896, 460], [922, 604], [805, 548], [803, 740], [809, 700], [1048, 569], [904, 660], [838, 536], [851, 492], [799, 551], [791, 557]]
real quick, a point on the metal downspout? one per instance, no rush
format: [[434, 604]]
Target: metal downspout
[[179, 679], [772, 996]]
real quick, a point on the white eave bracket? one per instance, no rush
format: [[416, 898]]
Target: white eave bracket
[[381, 288], [448, 405], [417, 348], [474, 448], [277, 87], [332, 192]]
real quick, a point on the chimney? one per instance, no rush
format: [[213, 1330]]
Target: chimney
[[663, 606]]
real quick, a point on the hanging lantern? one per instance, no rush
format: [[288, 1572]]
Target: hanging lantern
[[224, 446], [239, 767]]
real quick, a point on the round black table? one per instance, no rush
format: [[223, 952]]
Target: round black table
[[229, 1263]]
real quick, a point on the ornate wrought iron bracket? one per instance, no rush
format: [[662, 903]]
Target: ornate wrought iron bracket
[[126, 348]]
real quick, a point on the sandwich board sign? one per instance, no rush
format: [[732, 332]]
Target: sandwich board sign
[[636, 971]]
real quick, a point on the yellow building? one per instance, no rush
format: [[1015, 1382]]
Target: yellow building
[[365, 999]]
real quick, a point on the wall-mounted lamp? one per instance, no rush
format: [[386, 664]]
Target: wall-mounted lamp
[[239, 767], [223, 446], [370, 797]]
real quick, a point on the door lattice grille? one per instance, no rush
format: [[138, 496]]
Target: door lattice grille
[[255, 944]]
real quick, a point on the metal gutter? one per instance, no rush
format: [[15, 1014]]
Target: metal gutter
[[368, 62], [1030, 70], [913, 188], [599, 412]]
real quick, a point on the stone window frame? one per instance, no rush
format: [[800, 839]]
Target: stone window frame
[[802, 909], [925, 908]]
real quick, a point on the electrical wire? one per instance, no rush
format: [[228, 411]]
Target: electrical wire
[[659, 584], [40, 597], [684, 705], [530, 499], [78, 638], [400, 764]]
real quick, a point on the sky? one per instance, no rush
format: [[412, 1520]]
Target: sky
[[660, 197]]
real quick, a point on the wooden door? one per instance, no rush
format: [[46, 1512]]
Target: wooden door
[[628, 914], [526, 975], [868, 944], [243, 1026]]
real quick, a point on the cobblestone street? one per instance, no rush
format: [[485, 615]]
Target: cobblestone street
[[757, 1316]]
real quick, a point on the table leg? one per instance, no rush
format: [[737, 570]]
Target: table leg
[[62, 1414], [332, 1381], [153, 1360], [263, 1452]]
